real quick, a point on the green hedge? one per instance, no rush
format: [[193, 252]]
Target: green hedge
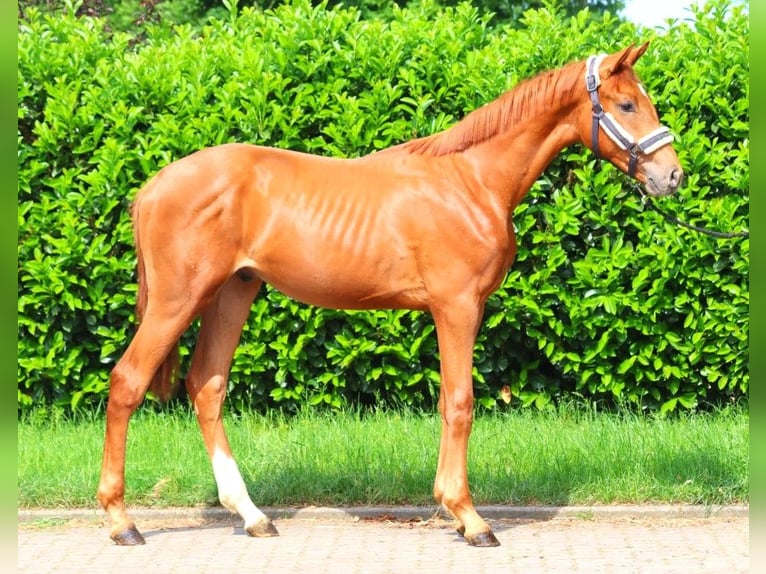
[[605, 301]]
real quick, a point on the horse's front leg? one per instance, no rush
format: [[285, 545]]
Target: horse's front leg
[[457, 325]]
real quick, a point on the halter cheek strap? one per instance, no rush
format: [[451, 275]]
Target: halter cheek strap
[[648, 144]]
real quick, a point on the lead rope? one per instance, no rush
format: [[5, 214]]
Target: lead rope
[[648, 200]]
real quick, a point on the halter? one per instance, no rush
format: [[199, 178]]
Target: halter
[[612, 128]]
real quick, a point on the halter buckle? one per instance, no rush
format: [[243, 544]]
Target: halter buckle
[[598, 110]]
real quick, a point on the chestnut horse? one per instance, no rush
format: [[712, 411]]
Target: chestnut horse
[[423, 225]]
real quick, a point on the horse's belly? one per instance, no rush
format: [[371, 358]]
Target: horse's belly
[[326, 277]]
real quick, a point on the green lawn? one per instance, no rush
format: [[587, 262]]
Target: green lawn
[[571, 456]]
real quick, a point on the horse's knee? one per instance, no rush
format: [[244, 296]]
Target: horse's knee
[[457, 413]]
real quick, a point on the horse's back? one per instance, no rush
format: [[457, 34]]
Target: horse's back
[[324, 230]]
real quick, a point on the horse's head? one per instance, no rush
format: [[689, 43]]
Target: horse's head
[[619, 122]]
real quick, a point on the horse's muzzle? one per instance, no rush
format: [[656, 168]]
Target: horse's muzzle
[[663, 182]]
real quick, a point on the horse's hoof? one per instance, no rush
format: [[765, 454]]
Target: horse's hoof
[[263, 529], [128, 537], [483, 539], [460, 530]]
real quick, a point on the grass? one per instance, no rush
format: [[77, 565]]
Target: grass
[[571, 456]]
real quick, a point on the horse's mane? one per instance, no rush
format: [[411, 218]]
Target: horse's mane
[[528, 98]]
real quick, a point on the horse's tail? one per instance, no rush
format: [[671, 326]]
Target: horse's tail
[[165, 380]]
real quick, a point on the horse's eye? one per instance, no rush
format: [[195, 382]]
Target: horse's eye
[[627, 107]]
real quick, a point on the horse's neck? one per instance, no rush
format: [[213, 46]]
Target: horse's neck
[[511, 162]]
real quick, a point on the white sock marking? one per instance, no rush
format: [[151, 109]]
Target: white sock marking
[[232, 491]]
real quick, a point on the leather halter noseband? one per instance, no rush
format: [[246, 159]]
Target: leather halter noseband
[[612, 128]]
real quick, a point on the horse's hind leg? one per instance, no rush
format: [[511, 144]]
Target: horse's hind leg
[[129, 381], [221, 325]]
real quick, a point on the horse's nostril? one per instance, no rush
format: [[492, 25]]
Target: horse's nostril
[[676, 177]]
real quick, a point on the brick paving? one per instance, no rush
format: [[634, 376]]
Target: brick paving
[[332, 542]]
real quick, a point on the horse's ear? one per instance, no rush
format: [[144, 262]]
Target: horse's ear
[[622, 58], [627, 57], [636, 53]]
